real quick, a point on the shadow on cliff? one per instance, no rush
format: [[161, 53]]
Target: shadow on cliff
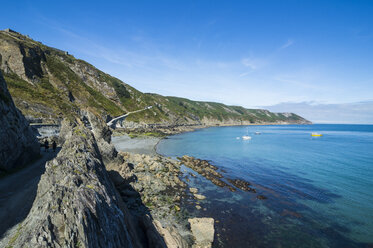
[[18, 191], [140, 216]]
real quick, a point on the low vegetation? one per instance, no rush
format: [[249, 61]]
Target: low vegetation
[[57, 85]]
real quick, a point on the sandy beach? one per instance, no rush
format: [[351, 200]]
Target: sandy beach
[[140, 145]]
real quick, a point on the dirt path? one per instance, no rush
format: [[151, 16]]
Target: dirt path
[[18, 191]]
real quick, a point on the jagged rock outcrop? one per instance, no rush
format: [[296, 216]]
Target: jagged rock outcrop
[[76, 203], [18, 144], [102, 135]]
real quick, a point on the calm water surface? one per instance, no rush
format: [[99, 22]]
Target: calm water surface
[[319, 190]]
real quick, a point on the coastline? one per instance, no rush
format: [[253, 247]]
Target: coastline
[[161, 189], [143, 144], [181, 189]]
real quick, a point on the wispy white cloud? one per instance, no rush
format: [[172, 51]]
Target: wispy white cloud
[[245, 74], [290, 42], [254, 63], [249, 63]]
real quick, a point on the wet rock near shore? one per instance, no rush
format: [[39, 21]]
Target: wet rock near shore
[[261, 197], [242, 185], [199, 196], [193, 190], [205, 169], [209, 171]]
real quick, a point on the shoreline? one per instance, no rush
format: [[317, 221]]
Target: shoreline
[[185, 199], [137, 144], [213, 206]]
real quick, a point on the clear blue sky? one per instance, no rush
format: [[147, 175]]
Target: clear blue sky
[[250, 53]]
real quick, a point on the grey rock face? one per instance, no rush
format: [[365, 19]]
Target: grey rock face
[[90, 75], [99, 128], [102, 134], [25, 61], [18, 145], [76, 203]]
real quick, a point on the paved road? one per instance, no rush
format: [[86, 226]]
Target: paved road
[[122, 117], [18, 191]]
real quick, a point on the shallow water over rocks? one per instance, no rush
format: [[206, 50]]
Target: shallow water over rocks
[[309, 192]]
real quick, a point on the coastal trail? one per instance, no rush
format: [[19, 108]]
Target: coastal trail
[[18, 191], [122, 117]]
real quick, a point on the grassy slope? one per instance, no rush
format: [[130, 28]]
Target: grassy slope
[[57, 81]]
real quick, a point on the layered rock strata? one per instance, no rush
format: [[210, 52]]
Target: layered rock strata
[[76, 203]]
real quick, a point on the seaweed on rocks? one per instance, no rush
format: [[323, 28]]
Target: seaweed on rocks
[[207, 170], [242, 185]]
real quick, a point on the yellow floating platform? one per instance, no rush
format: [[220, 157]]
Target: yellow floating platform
[[316, 134]]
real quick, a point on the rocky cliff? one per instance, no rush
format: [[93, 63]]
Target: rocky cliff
[[76, 203], [49, 84], [18, 144]]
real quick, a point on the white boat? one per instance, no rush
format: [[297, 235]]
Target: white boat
[[246, 137], [257, 133]]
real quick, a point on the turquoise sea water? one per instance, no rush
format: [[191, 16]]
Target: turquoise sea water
[[319, 190]]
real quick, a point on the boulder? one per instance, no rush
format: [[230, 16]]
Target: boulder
[[170, 235], [203, 231], [199, 197], [193, 190]]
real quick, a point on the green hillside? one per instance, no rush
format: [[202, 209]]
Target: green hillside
[[50, 84]]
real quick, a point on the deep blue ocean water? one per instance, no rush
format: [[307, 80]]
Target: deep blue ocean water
[[319, 189]]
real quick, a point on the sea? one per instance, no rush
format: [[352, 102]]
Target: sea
[[319, 190]]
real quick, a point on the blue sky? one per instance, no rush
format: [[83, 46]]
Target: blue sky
[[249, 53]]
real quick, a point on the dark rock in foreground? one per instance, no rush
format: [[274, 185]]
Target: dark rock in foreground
[[76, 203], [18, 144]]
